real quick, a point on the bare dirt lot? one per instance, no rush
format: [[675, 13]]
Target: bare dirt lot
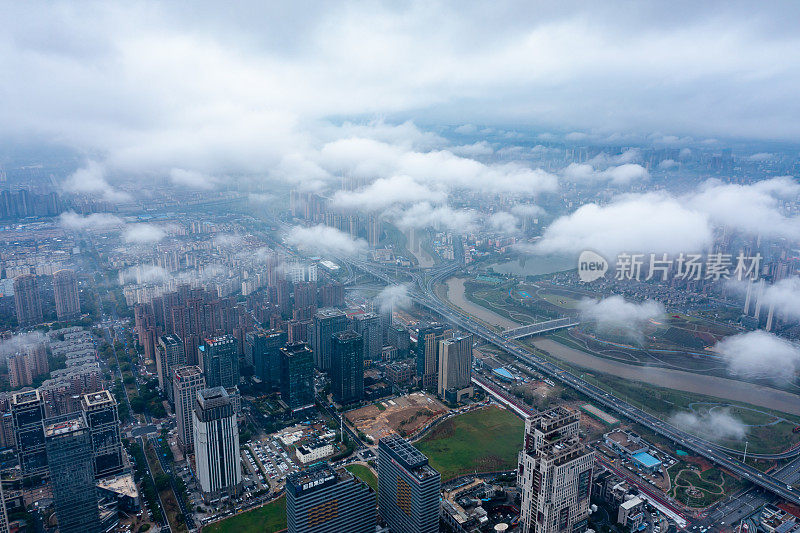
[[404, 415]]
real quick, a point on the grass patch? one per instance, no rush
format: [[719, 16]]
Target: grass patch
[[268, 518], [364, 474], [484, 440]]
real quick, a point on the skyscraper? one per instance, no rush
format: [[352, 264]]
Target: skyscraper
[[408, 488], [455, 368], [3, 512], [187, 381], [266, 354], [370, 326], [27, 410], [65, 289], [326, 322], [170, 355], [102, 417], [27, 300], [71, 462], [297, 378], [220, 362], [427, 352], [347, 367], [554, 474], [324, 500], [216, 443]]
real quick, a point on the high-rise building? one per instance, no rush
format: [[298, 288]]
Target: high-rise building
[[65, 289], [266, 354], [27, 410], [27, 300], [297, 376], [326, 322], [347, 367], [187, 381], [216, 443], [3, 512], [27, 364], [170, 355], [427, 352], [305, 294], [331, 295], [455, 368], [219, 362], [323, 500], [554, 474], [408, 487], [370, 326], [71, 463], [102, 417], [400, 339]]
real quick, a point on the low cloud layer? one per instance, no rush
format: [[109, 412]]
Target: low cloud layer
[[616, 175], [785, 296], [393, 297], [621, 316], [324, 240], [73, 221], [21, 342], [423, 215], [143, 233], [91, 179], [760, 355], [712, 425], [385, 192]]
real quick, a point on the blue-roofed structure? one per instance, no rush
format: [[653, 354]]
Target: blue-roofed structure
[[646, 462], [503, 374]]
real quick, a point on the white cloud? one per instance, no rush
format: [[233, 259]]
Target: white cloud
[[618, 175], [758, 354], [466, 129], [385, 192], [74, 221], [785, 296], [423, 215], [393, 297], [618, 315], [91, 179], [21, 343], [717, 424], [527, 210], [761, 156], [192, 179], [503, 222], [478, 149], [324, 240], [667, 164], [143, 233]]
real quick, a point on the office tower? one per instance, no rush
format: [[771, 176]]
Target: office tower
[[305, 294], [220, 362], [400, 339], [455, 368], [427, 352], [102, 417], [266, 354], [323, 500], [297, 376], [554, 474], [370, 327], [187, 381], [374, 230], [3, 513], [326, 322], [216, 443], [65, 288], [347, 367], [27, 301], [170, 356], [408, 488], [71, 463], [27, 410]]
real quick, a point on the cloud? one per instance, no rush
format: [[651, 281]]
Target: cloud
[[21, 342], [645, 223], [717, 424], [393, 297], [667, 164], [761, 156], [385, 192], [192, 179], [143, 233], [260, 198], [91, 179], [615, 314], [478, 149], [760, 355], [324, 240], [73, 221], [527, 210], [617, 175], [503, 222], [145, 273], [785, 296], [466, 129], [423, 215]]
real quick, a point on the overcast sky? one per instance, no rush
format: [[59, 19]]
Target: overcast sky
[[150, 82]]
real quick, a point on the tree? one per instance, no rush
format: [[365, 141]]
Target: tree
[[162, 482]]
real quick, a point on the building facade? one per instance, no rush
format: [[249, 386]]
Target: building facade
[[65, 290], [171, 355], [347, 367], [455, 368], [297, 379], [554, 474], [187, 381], [326, 322], [102, 417], [27, 410], [219, 361], [216, 444], [427, 353], [370, 326], [266, 354], [27, 300], [408, 488]]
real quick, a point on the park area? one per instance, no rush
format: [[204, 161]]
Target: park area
[[700, 487], [485, 440], [365, 474], [268, 518], [404, 415]]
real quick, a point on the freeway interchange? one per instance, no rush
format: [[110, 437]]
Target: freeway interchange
[[421, 290]]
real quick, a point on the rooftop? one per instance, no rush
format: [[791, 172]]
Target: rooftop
[[64, 427], [646, 460], [102, 397]]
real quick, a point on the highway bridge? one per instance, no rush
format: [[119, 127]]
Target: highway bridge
[[686, 440], [541, 327]]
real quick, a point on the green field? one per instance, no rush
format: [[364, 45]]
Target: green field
[[364, 474], [710, 485], [485, 440], [265, 519]]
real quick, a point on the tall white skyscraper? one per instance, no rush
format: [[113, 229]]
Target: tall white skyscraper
[[216, 443]]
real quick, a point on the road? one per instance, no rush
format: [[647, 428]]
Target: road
[[423, 294]]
